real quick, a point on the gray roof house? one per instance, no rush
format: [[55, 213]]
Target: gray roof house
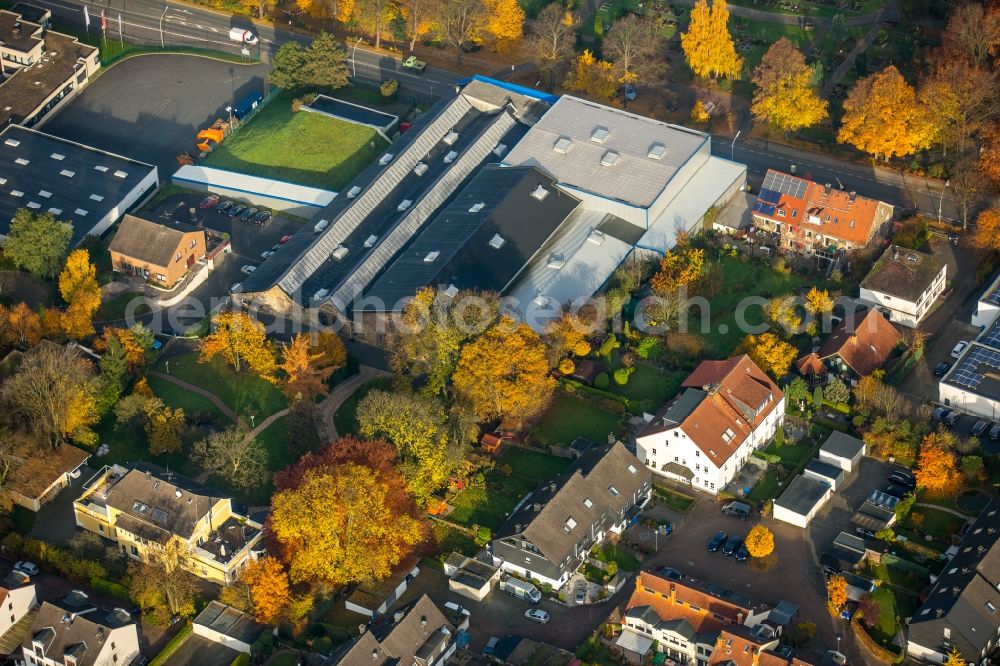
[[551, 531], [961, 610], [78, 633]]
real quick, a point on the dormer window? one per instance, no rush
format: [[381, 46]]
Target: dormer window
[[497, 241], [587, 503], [599, 135], [570, 524], [610, 158], [476, 207], [540, 193], [431, 257], [562, 145], [656, 151], [613, 491]]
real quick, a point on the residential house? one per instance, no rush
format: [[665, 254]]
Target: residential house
[[470, 576], [757, 646], [17, 599], [227, 626], [41, 68], [520, 651], [146, 507], [860, 348], [811, 217], [682, 619], [549, 535], [36, 480], [904, 284], [988, 306], [419, 635], [728, 410], [961, 610], [973, 383], [159, 253], [73, 632]]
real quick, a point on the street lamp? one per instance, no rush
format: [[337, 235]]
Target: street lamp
[[732, 148], [354, 68], [947, 183], [230, 110]]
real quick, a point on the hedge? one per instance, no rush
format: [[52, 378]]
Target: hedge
[[242, 660], [110, 589], [879, 652], [62, 560], [171, 647]]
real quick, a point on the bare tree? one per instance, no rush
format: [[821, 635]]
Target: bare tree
[[635, 46], [973, 33], [968, 185], [419, 10], [552, 36], [233, 455], [460, 21], [375, 9]]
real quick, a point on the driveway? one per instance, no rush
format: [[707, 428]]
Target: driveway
[[835, 516], [55, 521], [201, 651], [151, 107]]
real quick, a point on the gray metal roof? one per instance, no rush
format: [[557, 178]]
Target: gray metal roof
[[495, 202], [79, 184], [824, 469], [842, 445], [606, 151], [802, 494]]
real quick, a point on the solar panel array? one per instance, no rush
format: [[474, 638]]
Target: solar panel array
[[972, 371], [766, 201], [785, 184], [993, 298], [991, 336]]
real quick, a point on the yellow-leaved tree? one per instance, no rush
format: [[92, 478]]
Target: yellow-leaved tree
[[242, 342], [884, 118], [336, 526], [592, 76], [504, 21], [818, 301], [759, 541], [269, 589], [955, 658], [836, 592], [79, 288], [708, 46], [771, 354], [308, 366], [504, 374], [986, 235], [784, 96], [938, 471]]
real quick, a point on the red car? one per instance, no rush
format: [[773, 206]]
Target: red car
[[209, 202], [285, 239]]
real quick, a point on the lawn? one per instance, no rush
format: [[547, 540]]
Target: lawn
[[913, 577], [191, 403], [768, 33], [127, 447], [345, 419], [884, 629], [568, 418], [791, 454], [626, 561], [672, 499], [453, 539], [740, 279], [275, 441], [939, 524], [116, 308], [488, 507], [766, 488], [244, 393], [649, 383], [304, 147], [533, 466]]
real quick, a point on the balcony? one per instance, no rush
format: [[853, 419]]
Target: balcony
[[230, 541]]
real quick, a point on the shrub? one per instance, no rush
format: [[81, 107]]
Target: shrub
[[621, 376], [567, 366], [608, 346], [582, 348], [602, 381], [779, 436], [483, 535], [818, 396], [389, 88], [243, 659], [110, 589], [323, 645], [648, 348]]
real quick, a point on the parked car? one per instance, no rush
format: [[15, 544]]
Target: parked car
[[224, 206], [951, 420], [581, 592], [732, 545], [942, 368], [248, 269], [26, 567], [276, 247], [285, 239], [941, 413], [266, 254], [261, 218], [995, 432], [629, 92], [209, 202], [902, 478], [980, 427], [864, 532], [742, 554], [740, 510], [236, 210], [896, 490], [957, 350], [717, 541], [537, 615], [670, 573], [248, 214]]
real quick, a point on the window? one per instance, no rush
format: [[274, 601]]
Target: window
[[587, 503], [631, 469], [570, 523], [193, 243], [67, 173], [161, 277], [96, 197], [654, 453], [947, 633], [990, 607]]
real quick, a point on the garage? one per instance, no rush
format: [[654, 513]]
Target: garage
[[801, 501], [825, 473], [842, 451]]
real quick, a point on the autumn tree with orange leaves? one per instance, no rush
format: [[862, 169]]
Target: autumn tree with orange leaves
[[269, 588], [241, 341], [989, 154], [836, 592], [937, 467], [986, 235], [771, 354], [505, 374], [20, 325], [308, 366], [79, 288], [884, 118]]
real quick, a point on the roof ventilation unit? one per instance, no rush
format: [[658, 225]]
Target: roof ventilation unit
[[450, 157], [121, 174], [58, 157], [45, 194], [476, 207], [497, 241], [450, 138], [540, 300], [96, 197], [599, 135], [101, 168], [562, 145], [385, 159], [353, 192], [431, 257], [370, 241], [540, 193], [610, 158], [420, 169], [500, 149], [406, 203], [33, 205], [17, 194], [67, 173], [22, 161], [80, 211], [13, 143], [451, 291], [656, 151], [339, 253], [556, 262], [321, 294], [596, 237], [55, 211]]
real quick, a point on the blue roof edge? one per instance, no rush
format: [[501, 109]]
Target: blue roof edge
[[513, 87]]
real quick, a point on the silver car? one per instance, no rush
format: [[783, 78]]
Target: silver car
[[537, 615]]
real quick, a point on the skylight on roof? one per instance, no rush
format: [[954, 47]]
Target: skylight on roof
[[371, 240], [3, 181], [339, 253], [55, 211], [80, 211], [613, 490], [17, 194], [587, 503], [570, 523], [45, 194], [540, 193], [476, 207], [555, 262], [67, 173], [101, 168], [13, 143], [451, 291], [34, 205], [58, 157], [432, 256], [599, 135], [610, 158], [562, 144], [656, 151], [497, 241], [22, 161], [596, 237], [121, 174], [96, 197]]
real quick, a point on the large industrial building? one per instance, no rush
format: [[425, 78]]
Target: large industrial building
[[90, 188], [498, 188]]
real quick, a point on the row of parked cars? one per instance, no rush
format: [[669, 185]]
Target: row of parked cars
[[233, 210], [981, 428], [731, 546]]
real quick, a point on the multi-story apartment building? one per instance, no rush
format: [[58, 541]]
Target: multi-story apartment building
[[904, 284], [727, 410], [146, 507], [551, 532], [17, 598]]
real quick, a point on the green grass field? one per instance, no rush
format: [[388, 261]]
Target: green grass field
[[648, 383], [345, 419], [305, 148], [191, 403], [531, 465], [117, 307], [275, 441], [568, 418]]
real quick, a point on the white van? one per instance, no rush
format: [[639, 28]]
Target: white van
[[320, 226], [520, 589], [241, 36]]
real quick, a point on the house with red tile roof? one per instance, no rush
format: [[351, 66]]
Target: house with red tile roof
[[703, 438], [861, 346], [809, 216]]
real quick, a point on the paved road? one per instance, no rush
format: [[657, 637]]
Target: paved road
[[158, 21]]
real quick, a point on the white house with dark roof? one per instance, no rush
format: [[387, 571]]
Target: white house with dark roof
[[17, 598], [905, 284], [988, 307], [68, 634], [550, 533], [973, 383], [728, 410]]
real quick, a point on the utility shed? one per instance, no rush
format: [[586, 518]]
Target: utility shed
[[801, 500]]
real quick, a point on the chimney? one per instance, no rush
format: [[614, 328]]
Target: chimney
[[362, 628], [16, 31], [552, 486], [374, 655], [940, 613], [423, 621], [222, 550], [398, 616]]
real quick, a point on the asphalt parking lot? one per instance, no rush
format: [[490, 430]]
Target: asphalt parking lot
[[150, 107], [835, 516]]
